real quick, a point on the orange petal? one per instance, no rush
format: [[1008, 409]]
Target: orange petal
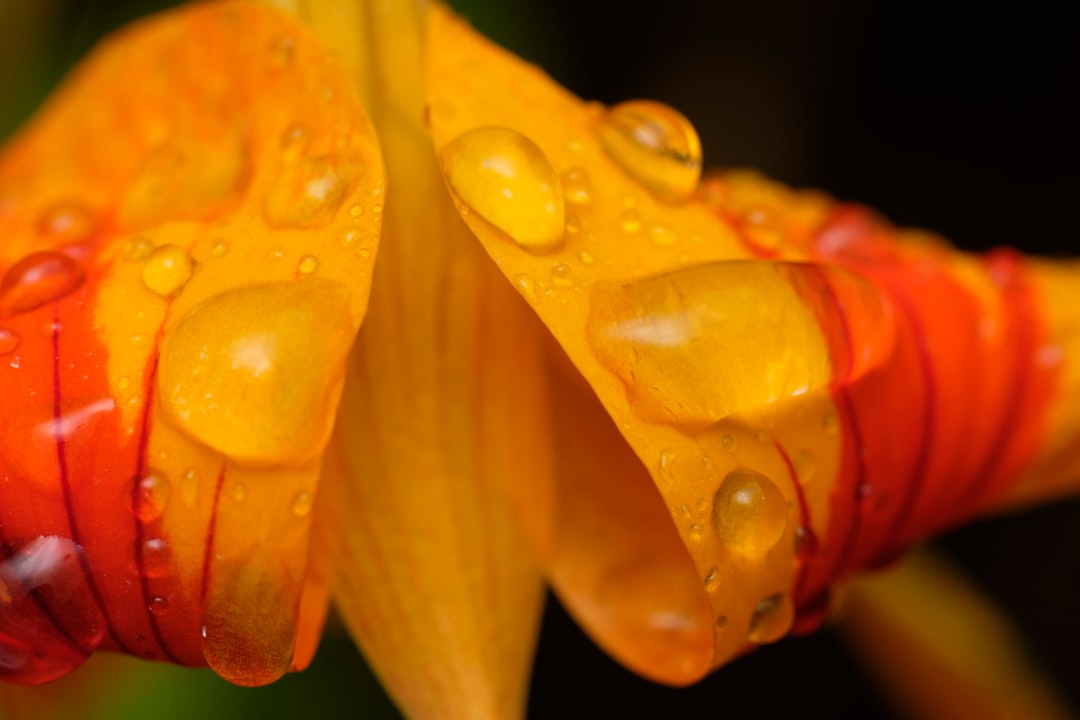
[[941, 648], [186, 261]]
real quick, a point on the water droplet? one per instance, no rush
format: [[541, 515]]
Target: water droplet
[[158, 605], [586, 257], [138, 248], [37, 279], [9, 341], [220, 248], [156, 558], [349, 236], [167, 269], [151, 495], [662, 235], [41, 579], [729, 443], [771, 619], [749, 512], [561, 274], [573, 224], [302, 504], [667, 458], [577, 187], [356, 211], [281, 52], [294, 140], [507, 180], [239, 492], [308, 193], [376, 208], [277, 253], [630, 222], [830, 423], [806, 542], [254, 373], [308, 264], [526, 286], [698, 344], [696, 532], [67, 223], [712, 580], [654, 144]]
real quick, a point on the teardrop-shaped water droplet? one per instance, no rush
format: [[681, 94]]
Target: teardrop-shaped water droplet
[[655, 145], [508, 181], [749, 512], [42, 585], [167, 269], [37, 279], [308, 264], [255, 373]]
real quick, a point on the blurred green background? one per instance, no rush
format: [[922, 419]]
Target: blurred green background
[[959, 120]]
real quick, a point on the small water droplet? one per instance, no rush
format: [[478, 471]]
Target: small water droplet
[[167, 269], [526, 286], [9, 341], [667, 457], [219, 248], [239, 492], [66, 223], [51, 328], [729, 443], [138, 249], [356, 211], [662, 235], [308, 264], [806, 541], [151, 495], [771, 619], [365, 253], [561, 274], [308, 193], [506, 179], [712, 580], [586, 257], [630, 222], [376, 208], [38, 279], [830, 423], [573, 224], [749, 512], [156, 557], [294, 140], [281, 52], [696, 532], [349, 236], [302, 504], [654, 144], [577, 187], [158, 605]]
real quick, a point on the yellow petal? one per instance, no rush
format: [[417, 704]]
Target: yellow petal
[[443, 415]]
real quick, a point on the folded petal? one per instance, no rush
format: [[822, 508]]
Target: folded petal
[[185, 265], [809, 389]]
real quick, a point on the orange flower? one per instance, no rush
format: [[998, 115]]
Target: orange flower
[[680, 407]]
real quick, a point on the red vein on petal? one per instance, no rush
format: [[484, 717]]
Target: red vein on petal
[[211, 529], [808, 547], [65, 487]]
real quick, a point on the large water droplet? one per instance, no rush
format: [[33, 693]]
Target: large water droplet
[[508, 181], [254, 373], [655, 145], [49, 620], [37, 279], [167, 269], [696, 345], [309, 192], [749, 512]]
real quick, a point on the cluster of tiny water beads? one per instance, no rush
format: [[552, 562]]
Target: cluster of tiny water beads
[[507, 181]]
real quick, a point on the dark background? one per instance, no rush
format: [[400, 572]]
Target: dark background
[[957, 118]]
